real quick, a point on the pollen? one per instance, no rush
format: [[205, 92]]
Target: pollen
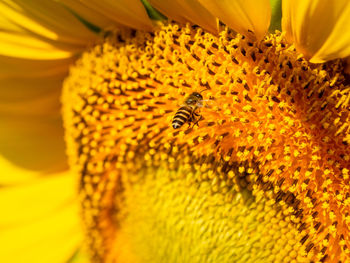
[[272, 139]]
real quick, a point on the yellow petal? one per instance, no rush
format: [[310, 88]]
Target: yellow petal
[[130, 13], [48, 19], [171, 9], [14, 68], [81, 256], [36, 198], [31, 132], [91, 15], [319, 29], [30, 97], [187, 10], [33, 143], [40, 30], [12, 174], [242, 15], [30, 47], [40, 220]]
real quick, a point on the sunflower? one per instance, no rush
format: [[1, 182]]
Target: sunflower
[[258, 170]]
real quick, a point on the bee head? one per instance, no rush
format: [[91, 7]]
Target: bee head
[[194, 98], [197, 95]]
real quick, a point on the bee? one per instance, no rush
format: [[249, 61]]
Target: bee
[[187, 112]]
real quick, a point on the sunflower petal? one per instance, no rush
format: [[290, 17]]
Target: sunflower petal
[[33, 143], [242, 15], [89, 14], [40, 220], [15, 68], [35, 198], [17, 174], [171, 9], [130, 13], [48, 19], [31, 133], [319, 29], [187, 10], [40, 30], [52, 239], [30, 97], [29, 47], [81, 256]]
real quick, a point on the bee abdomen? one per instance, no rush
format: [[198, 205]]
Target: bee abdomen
[[181, 116]]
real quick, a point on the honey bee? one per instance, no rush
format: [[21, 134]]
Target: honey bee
[[187, 112]]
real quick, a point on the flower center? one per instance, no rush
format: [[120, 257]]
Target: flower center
[[263, 148]]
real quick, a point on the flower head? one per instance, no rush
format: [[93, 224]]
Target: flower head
[[258, 170]]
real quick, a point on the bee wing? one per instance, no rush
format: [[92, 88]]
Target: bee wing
[[209, 103]]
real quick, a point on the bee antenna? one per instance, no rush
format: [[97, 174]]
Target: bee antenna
[[203, 90]]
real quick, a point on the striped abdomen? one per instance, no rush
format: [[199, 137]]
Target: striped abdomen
[[181, 116]]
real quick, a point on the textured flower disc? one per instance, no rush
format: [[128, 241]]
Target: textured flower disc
[[261, 175]]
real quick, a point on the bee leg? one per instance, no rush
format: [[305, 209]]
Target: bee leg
[[200, 117], [195, 119], [190, 120]]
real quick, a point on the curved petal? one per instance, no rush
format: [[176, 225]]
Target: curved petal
[[25, 201], [40, 30], [29, 47], [31, 133], [171, 9], [48, 19], [17, 174], [33, 143], [130, 13], [187, 10], [30, 97], [89, 14], [81, 256], [40, 220], [242, 15], [14, 68], [42, 33], [319, 29]]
